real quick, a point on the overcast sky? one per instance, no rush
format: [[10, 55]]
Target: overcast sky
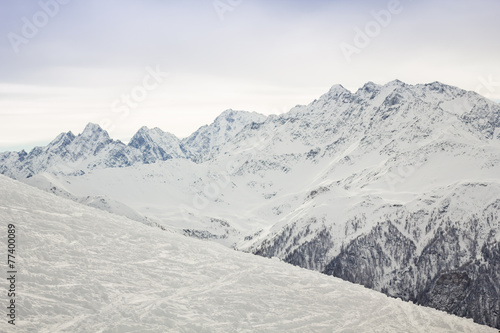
[[178, 64]]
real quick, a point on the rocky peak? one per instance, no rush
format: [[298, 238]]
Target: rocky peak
[[225, 127], [336, 91], [94, 131], [156, 144], [369, 87], [62, 139], [395, 83]]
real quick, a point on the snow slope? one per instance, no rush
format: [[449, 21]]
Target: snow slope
[[395, 186], [84, 270], [207, 140]]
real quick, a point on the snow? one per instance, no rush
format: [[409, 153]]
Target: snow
[[226, 126], [85, 270], [393, 153], [156, 144]]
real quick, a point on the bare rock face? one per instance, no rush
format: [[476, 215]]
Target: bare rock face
[[469, 292]]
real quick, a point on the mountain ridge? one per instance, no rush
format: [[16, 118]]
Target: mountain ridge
[[392, 186], [146, 146]]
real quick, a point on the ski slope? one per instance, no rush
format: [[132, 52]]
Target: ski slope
[[81, 269]]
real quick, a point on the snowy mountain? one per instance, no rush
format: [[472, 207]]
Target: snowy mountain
[[94, 149], [80, 269], [156, 145], [393, 186], [67, 153], [206, 141]]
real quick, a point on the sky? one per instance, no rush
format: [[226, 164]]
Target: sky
[[177, 65]]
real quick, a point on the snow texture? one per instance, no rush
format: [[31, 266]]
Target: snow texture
[[85, 270], [395, 187]]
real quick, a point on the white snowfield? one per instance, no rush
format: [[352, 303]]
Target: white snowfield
[[81, 269]]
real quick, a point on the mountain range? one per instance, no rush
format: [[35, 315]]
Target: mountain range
[[395, 187]]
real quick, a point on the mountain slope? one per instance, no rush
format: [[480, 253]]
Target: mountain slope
[[156, 145], [393, 186], [84, 270], [207, 139], [67, 154]]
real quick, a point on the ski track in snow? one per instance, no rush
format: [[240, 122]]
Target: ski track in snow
[[84, 270]]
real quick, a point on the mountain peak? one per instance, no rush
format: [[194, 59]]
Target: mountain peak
[[231, 116], [230, 113], [395, 83], [338, 89], [64, 139], [92, 127], [369, 87], [371, 84], [225, 127], [334, 92], [94, 130], [156, 145], [151, 132], [437, 86]]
